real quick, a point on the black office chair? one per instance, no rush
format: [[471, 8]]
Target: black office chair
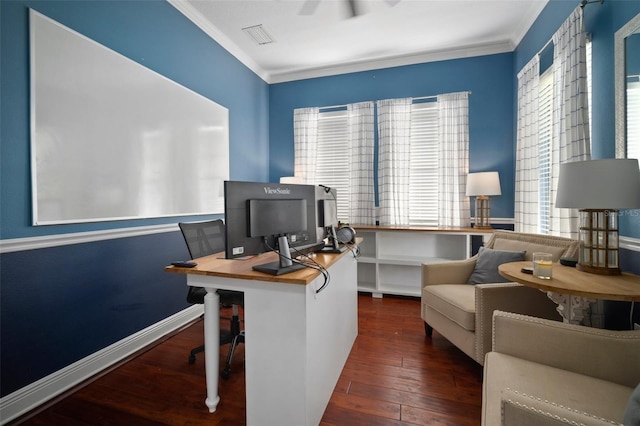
[[203, 239]]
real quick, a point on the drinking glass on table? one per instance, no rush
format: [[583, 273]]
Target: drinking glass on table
[[542, 263]]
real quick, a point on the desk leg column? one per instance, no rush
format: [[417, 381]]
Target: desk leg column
[[212, 346]]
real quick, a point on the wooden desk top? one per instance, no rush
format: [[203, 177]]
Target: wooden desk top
[[216, 265], [568, 280]]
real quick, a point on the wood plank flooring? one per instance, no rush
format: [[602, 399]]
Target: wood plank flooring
[[395, 375]]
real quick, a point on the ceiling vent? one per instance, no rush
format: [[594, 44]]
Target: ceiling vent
[[258, 34]]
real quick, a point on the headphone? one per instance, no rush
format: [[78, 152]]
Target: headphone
[[346, 234]]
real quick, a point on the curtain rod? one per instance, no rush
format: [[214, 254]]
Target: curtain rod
[[583, 3], [418, 98], [545, 46]]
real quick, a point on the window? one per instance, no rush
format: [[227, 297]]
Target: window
[[589, 48], [633, 110], [332, 167], [423, 170], [545, 140], [545, 135], [340, 154]]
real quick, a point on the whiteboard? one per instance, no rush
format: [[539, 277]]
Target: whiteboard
[[112, 139]]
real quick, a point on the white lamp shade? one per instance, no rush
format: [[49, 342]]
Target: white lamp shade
[[291, 179], [483, 183], [599, 184]]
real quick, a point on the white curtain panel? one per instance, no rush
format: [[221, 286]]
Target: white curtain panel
[[526, 188], [394, 137], [361, 146], [453, 115], [571, 113], [305, 140]]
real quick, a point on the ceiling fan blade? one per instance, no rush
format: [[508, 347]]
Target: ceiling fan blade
[[309, 7], [352, 7]]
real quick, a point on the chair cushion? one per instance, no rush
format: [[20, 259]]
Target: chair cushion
[[486, 269], [455, 301], [632, 412]]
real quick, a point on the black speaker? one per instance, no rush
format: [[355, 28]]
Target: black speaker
[[346, 234]]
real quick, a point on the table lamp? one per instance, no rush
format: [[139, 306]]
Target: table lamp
[[481, 185], [599, 188]]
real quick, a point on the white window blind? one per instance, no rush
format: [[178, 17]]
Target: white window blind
[[545, 127], [633, 110], [589, 48], [423, 170], [332, 167]]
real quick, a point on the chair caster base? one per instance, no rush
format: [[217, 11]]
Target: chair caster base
[[226, 373]]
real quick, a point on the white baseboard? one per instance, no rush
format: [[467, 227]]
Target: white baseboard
[[37, 393]]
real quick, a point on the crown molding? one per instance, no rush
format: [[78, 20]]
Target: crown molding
[[218, 36], [403, 60]]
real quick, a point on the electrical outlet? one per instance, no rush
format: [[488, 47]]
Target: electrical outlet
[[636, 326]]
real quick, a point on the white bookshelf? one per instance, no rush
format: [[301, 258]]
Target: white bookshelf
[[391, 258]]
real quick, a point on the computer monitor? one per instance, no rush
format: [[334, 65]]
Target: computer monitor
[[259, 214], [276, 218], [328, 219]]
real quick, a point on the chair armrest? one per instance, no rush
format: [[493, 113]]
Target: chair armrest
[[523, 410], [602, 354], [510, 297], [454, 272]]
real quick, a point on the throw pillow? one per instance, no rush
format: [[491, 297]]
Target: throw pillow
[[632, 412], [486, 269]]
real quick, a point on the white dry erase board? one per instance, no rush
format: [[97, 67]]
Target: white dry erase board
[[112, 139]]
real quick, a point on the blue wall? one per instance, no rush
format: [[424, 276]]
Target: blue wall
[[491, 112], [60, 304]]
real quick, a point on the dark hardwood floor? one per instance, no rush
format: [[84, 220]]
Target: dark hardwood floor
[[395, 375]]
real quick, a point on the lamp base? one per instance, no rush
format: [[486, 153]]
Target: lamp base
[[598, 270], [599, 242], [482, 212], [482, 226]]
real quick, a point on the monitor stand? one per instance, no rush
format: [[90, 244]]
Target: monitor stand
[[332, 249], [335, 246], [285, 265]]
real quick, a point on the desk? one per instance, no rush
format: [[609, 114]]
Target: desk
[[297, 340], [573, 290]]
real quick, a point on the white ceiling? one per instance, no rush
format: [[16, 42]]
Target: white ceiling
[[384, 33]]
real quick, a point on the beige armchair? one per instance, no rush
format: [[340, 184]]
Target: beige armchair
[[462, 312], [543, 372]]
